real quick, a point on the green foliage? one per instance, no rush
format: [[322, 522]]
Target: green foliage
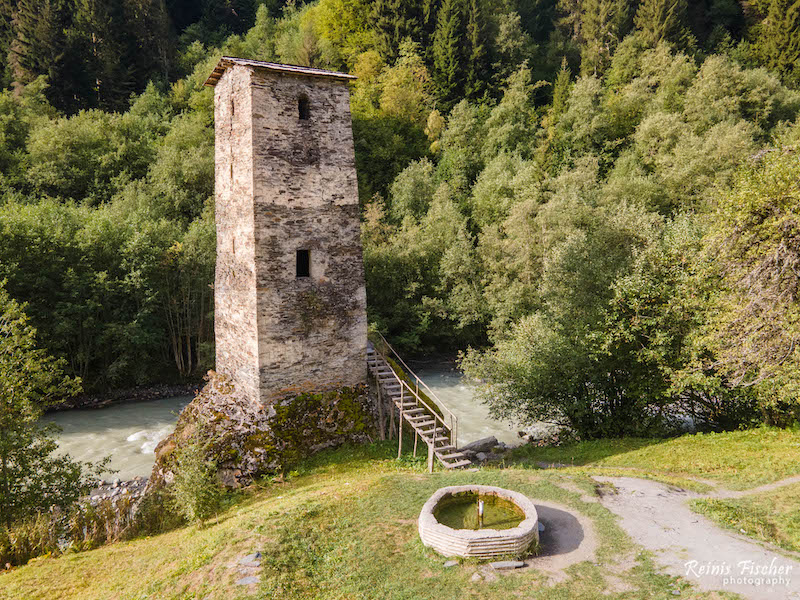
[[394, 21], [663, 21], [778, 41], [413, 190], [448, 58], [422, 276], [195, 492], [512, 124], [749, 265], [568, 360], [117, 282], [345, 24], [405, 88], [603, 25], [87, 157], [29, 538], [32, 479]]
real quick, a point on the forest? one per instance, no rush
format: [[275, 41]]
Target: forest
[[596, 201]]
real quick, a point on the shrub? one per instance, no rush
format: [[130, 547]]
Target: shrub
[[29, 538], [195, 492]]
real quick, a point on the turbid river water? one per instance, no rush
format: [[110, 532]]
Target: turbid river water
[[129, 432], [457, 395]]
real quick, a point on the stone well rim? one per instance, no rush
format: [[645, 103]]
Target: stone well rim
[[428, 522]]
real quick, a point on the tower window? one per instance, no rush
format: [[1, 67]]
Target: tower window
[[303, 108], [303, 263]]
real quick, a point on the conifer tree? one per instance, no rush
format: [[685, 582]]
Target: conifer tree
[[6, 15], [117, 47], [183, 13], [663, 21], [96, 37], [396, 20], [476, 51], [150, 36], [429, 10], [448, 56], [603, 25], [37, 41], [778, 43]]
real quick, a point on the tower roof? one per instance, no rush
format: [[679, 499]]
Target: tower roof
[[228, 61]]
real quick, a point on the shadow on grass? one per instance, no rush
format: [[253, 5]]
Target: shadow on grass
[[562, 533], [579, 454]]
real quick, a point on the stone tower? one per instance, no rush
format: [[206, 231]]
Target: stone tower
[[290, 299]]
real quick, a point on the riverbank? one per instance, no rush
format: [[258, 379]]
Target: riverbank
[[105, 490], [128, 395]]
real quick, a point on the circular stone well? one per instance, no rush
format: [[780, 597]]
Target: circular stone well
[[478, 543]]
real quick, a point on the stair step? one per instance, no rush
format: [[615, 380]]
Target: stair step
[[429, 432], [445, 447], [420, 425], [459, 464], [416, 417], [451, 456], [413, 411]]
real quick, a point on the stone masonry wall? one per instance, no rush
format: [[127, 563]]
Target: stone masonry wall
[[235, 323], [293, 188]]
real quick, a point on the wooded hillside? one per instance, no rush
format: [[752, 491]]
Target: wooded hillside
[[598, 195]]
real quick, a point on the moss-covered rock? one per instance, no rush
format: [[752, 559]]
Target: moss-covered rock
[[248, 439]]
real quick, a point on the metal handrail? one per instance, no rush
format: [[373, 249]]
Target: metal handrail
[[453, 427]]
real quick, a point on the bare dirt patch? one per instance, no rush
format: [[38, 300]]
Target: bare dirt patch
[[686, 544], [568, 539]]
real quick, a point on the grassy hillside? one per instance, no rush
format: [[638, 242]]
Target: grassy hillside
[[771, 516], [736, 460], [344, 526]]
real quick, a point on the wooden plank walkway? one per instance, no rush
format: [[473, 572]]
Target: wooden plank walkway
[[413, 409]]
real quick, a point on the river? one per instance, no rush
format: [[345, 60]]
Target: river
[[474, 422], [130, 432]]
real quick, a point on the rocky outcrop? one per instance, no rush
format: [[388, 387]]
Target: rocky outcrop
[[246, 439]]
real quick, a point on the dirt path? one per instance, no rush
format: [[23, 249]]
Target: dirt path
[[723, 493], [687, 544]]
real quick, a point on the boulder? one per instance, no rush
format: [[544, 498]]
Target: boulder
[[484, 445]]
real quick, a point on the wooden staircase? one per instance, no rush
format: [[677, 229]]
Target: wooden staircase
[[413, 408]]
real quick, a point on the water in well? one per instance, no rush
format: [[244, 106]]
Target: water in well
[[461, 511]]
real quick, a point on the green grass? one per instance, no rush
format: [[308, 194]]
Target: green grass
[[738, 460], [344, 527], [770, 516]]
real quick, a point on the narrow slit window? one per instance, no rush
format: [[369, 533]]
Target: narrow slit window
[[303, 108], [303, 263]]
